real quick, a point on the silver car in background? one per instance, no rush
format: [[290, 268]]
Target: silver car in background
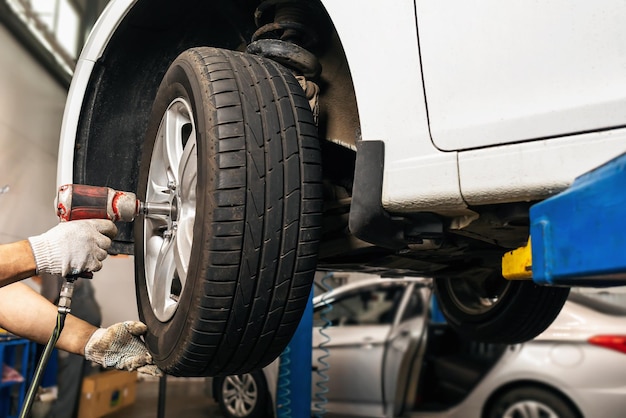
[[390, 355]]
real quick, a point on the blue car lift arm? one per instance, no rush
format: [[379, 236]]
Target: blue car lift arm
[[577, 237]]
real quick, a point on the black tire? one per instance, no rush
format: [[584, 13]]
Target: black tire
[[243, 396], [521, 401], [224, 266], [495, 310]]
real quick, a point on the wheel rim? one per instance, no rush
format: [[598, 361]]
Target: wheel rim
[[240, 394], [168, 234], [479, 294], [530, 409]]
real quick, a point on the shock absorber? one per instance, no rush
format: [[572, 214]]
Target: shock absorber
[[286, 33]]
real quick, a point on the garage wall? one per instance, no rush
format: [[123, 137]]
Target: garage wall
[[31, 111]]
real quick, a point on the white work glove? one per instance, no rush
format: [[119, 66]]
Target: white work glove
[[119, 346], [73, 247]]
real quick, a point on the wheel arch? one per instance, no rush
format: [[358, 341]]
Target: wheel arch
[[525, 383], [122, 65]]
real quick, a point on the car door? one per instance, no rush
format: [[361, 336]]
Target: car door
[[349, 356], [500, 72], [403, 345]]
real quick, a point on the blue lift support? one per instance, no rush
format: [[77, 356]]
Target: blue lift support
[[577, 237], [293, 394]]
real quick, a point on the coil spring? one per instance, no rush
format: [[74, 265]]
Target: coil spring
[[284, 37], [291, 22], [286, 33]]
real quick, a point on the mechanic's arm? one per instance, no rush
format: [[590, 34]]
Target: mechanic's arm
[[16, 262], [26, 313], [68, 248]]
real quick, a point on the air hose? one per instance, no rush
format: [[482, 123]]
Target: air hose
[[65, 301], [322, 388]]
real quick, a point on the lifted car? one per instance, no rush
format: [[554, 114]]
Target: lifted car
[[404, 138]]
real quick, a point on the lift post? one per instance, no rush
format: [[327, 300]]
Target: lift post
[[578, 236], [294, 385]]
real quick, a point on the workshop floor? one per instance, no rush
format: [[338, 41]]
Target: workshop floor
[[185, 398]]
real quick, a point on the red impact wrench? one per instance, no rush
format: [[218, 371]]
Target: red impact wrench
[[74, 202], [79, 201]]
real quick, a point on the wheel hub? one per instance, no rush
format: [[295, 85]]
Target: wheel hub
[[240, 394], [529, 409], [170, 209]]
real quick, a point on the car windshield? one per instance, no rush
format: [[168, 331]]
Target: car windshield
[[604, 302]]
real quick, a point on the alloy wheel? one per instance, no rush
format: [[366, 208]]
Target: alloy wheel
[[240, 394], [168, 235], [530, 409]]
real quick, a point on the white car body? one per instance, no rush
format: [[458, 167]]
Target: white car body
[[567, 80]]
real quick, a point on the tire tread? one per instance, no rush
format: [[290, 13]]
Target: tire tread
[[264, 226]]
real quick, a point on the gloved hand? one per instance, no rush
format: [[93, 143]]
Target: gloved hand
[[73, 247], [119, 346]]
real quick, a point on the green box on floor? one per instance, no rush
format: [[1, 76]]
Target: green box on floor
[[107, 392]]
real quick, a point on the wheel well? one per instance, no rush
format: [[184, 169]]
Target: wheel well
[[123, 84], [527, 384]]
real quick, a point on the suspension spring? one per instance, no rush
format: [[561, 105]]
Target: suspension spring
[[286, 33]]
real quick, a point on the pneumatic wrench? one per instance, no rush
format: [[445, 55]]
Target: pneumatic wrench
[[79, 201], [74, 202]]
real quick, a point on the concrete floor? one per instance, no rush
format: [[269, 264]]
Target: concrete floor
[[185, 398]]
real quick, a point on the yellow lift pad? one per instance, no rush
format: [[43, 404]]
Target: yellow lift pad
[[517, 264]]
